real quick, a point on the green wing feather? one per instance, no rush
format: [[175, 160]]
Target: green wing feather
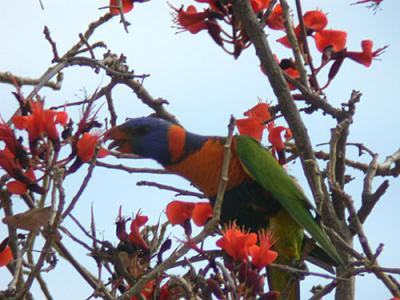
[[266, 171]]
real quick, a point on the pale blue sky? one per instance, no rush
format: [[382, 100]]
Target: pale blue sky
[[204, 87]]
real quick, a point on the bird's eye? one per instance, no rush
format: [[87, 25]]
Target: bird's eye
[[142, 130]]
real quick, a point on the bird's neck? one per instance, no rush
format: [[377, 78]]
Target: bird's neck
[[203, 164]]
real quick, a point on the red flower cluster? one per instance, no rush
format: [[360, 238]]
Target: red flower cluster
[[14, 160], [314, 21], [44, 138], [40, 123], [331, 43], [242, 246], [193, 21], [218, 15], [179, 212], [254, 126]]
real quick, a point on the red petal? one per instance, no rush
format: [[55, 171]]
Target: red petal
[[364, 57], [103, 153], [252, 127], [275, 138], [61, 118], [334, 38], [16, 187], [21, 122], [86, 146], [285, 41], [261, 111], [191, 20], [202, 212], [276, 21], [236, 243], [315, 20], [135, 236], [127, 6], [5, 256], [178, 212], [259, 5]]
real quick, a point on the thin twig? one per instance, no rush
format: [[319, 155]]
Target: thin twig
[[80, 191], [156, 104], [53, 44], [7, 77], [180, 192], [131, 170]]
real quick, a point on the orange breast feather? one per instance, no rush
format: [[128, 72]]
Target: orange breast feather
[[203, 168]]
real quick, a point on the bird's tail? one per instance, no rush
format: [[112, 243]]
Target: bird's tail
[[286, 283], [289, 236]]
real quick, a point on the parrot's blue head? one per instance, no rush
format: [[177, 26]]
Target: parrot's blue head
[[145, 136]]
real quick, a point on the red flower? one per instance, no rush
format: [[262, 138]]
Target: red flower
[[212, 4], [86, 147], [191, 20], [259, 5], [135, 237], [8, 164], [260, 111], [21, 187], [16, 187], [285, 40], [147, 292], [330, 38], [294, 73], [41, 121], [275, 138], [253, 127], [262, 255], [127, 6], [366, 55], [179, 212], [236, 243], [315, 20], [24, 179], [8, 137], [201, 213], [6, 255], [276, 20]]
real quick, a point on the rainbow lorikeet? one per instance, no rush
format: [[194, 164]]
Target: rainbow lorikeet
[[260, 194]]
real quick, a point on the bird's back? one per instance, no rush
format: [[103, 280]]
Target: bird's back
[[245, 201]]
